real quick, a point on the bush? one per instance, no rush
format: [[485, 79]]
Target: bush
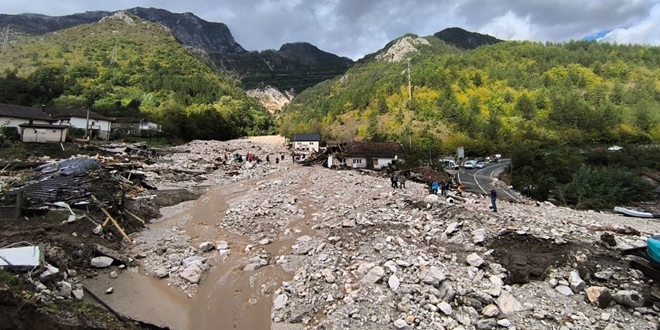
[[605, 188]]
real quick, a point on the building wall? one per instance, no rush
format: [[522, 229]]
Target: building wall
[[309, 145], [380, 163], [43, 135], [14, 122], [356, 162], [102, 126]]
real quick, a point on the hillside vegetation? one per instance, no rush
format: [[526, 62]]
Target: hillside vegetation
[[547, 105], [125, 66]]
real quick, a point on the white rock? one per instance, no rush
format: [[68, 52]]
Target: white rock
[[221, 245], [400, 324], [479, 236], [161, 272], [78, 294], [445, 308], [194, 260], [432, 199], [496, 286], [394, 283], [566, 291], [97, 230], [432, 276], [110, 290], [264, 241], [577, 284], [192, 273], [114, 274], [206, 246], [328, 275], [508, 304], [280, 301], [474, 260], [65, 289], [490, 311], [504, 323], [101, 262], [373, 275]]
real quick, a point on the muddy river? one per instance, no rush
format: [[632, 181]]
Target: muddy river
[[228, 297]]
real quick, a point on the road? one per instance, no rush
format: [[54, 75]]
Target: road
[[479, 179]]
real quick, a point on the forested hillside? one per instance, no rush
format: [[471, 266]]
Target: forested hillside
[[125, 66], [521, 98]]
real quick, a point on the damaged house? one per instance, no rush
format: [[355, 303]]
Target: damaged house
[[33, 125], [371, 155]]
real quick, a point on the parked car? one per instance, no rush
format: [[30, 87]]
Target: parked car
[[469, 164], [480, 165]]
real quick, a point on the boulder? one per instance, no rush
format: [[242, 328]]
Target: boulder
[[161, 272], [101, 262], [394, 283], [599, 296], [629, 298], [564, 290], [445, 307], [576, 282], [206, 246], [192, 273], [280, 301], [490, 311], [373, 276], [65, 289], [508, 304], [474, 260]]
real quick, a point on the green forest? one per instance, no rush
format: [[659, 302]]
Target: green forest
[[129, 68], [552, 107]]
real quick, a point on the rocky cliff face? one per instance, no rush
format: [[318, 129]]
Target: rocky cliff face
[[272, 98], [192, 31]]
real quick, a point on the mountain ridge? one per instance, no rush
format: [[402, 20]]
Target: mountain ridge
[[283, 68]]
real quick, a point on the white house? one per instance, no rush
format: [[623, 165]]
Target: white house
[[43, 133], [33, 125], [98, 127], [15, 115], [306, 142], [372, 155]]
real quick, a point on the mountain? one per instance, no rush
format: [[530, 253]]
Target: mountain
[[294, 67], [36, 24], [465, 39], [495, 95], [126, 66]]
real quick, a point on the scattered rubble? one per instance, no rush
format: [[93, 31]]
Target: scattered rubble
[[362, 255]]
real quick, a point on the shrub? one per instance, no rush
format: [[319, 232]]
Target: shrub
[[605, 188]]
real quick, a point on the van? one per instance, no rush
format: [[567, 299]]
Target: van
[[450, 164]]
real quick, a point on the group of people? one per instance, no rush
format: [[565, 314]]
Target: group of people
[[277, 158], [442, 187], [398, 181]]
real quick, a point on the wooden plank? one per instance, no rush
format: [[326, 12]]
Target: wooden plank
[[114, 222]]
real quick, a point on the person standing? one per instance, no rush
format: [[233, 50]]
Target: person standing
[[402, 181], [393, 179], [435, 187], [493, 198]]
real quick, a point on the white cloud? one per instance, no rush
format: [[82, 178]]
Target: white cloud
[[509, 27], [647, 31], [354, 28]]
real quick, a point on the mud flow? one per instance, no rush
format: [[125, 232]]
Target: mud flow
[[528, 258]]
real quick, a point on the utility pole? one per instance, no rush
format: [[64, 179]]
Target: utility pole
[[87, 126], [409, 83], [5, 40]]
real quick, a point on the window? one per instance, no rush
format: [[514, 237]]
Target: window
[[357, 161]]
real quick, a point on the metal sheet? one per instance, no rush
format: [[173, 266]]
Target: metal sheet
[[20, 256]]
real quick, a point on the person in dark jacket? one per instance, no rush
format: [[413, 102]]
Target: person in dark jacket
[[394, 180], [493, 198]]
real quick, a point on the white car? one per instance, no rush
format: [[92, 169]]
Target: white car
[[480, 165], [469, 164]]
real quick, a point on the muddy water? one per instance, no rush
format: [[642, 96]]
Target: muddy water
[[142, 298], [230, 298]]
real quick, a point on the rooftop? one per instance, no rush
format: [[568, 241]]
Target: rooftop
[[19, 111], [375, 149], [306, 137], [81, 113]]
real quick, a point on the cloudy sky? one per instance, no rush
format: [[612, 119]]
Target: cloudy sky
[[354, 28]]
